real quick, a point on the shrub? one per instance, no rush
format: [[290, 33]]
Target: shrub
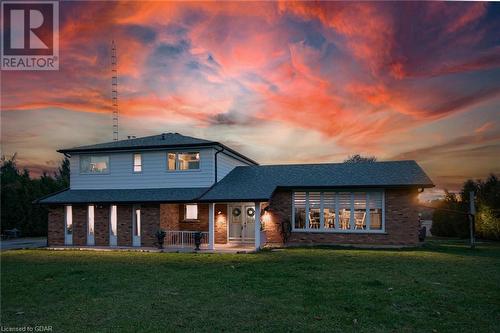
[[448, 219], [487, 223]]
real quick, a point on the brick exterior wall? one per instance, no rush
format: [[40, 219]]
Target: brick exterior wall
[[169, 216], [277, 219], [153, 217], [124, 225], [401, 223], [172, 218], [220, 224], [101, 225], [55, 228], [150, 224], [79, 225]]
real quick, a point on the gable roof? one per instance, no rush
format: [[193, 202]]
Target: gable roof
[[248, 183], [164, 140]]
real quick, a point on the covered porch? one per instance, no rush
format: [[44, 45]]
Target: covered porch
[[132, 219], [227, 225]]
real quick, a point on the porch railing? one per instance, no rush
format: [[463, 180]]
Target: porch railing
[[182, 239]]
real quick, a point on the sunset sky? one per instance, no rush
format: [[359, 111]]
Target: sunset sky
[[280, 82]]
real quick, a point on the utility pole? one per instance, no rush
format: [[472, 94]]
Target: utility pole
[[472, 215], [114, 90]]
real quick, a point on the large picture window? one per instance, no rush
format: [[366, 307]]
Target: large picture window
[[94, 164], [331, 211], [183, 161], [299, 210]]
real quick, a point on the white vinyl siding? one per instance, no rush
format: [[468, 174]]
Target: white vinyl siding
[[334, 211], [154, 172], [226, 163]]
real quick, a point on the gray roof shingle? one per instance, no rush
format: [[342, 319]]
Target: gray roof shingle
[[164, 140], [252, 183], [160, 140], [124, 196], [259, 182]]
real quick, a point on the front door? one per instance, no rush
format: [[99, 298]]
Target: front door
[[242, 223]]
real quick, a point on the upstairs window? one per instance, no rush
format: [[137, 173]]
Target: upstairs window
[[137, 162], [172, 161], [94, 164], [183, 161]]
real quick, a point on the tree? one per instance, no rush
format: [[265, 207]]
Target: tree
[[357, 158], [450, 217], [62, 174], [19, 190], [488, 208]]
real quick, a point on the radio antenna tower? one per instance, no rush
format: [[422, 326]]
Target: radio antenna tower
[[114, 90]]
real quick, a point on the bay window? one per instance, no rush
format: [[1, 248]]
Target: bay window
[[329, 211], [332, 211], [359, 210], [300, 210], [344, 210], [314, 210], [375, 213]]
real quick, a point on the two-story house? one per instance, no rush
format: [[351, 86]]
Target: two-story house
[[123, 192]]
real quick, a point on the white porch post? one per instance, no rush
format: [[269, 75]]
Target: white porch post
[[257, 226], [211, 228]]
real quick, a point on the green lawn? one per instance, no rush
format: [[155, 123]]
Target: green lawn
[[443, 287]]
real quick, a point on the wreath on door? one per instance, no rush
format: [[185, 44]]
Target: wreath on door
[[236, 212], [250, 211]]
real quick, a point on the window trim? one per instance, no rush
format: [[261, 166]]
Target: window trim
[[177, 163], [346, 231], [133, 163], [93, 173]]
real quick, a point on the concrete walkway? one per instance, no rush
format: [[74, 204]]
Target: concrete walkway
[[23, 243]]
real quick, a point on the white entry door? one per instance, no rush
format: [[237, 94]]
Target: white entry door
[[136, 226], [242, 223]]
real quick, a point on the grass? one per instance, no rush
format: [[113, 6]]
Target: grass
[[442, 287]]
